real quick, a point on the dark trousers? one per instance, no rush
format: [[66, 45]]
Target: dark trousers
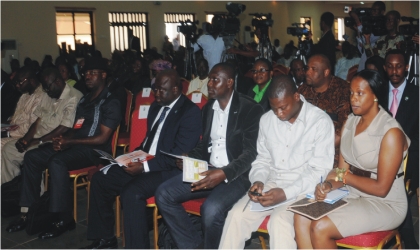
[[134, 192], [58, 164], [172, 193]]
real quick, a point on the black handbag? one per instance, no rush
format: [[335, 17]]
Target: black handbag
[[10, 194], [39, 218]]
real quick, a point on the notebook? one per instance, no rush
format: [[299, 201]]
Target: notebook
[[333, 196], [313, 209]]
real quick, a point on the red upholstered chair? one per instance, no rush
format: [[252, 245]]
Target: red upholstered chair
[[263, 229], [82, 174], [124, 136], [185, 85], [140, 100], [375, 240], [352, 71], [138, 130], [202, 102]]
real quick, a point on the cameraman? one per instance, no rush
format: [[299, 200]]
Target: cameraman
[[392, 40], [212, 45], [378, 9]]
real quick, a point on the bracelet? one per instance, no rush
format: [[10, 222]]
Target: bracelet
[[340, 174], [331, 186], [344, 177]]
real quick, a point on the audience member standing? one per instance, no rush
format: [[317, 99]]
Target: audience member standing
[[349, 59], [327, 92]]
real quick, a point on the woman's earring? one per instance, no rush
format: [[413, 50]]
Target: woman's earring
[[375, 100]]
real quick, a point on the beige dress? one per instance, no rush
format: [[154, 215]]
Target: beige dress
[[367, 213]]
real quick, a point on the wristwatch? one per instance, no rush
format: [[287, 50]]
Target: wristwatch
[[40, 141]]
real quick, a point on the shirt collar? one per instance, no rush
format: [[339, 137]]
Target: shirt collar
[[170, 106], [216, 105], [66, 93], [400, 88], [257, 90], [302, 114]]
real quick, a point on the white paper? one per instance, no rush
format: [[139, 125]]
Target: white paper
[[123, 160], [333, 196], [257, 207], [191, 167], [196, 97], [146, 92], [143, 111]]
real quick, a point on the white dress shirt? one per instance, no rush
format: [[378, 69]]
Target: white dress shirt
[[399, 94], [212, 48], [152, 150], [294, 156], [218, 156]]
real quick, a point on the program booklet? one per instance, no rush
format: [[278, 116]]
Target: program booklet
[[191, 167], [123, 160], [333, 196]]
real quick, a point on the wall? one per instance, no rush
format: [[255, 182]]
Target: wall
[[32, 24]]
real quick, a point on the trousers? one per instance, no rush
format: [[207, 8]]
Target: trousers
[[58, 164], [219, 200]]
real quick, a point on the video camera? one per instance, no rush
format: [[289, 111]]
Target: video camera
[[371, 24], [261, 21], [188, 28], [297, 31], [409, 29], [226, 24]]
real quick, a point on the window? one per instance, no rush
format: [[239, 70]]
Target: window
[[128, 30], [172, 21], [339, 28], [75, 32]]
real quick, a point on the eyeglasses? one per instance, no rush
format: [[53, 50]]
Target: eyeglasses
[[47, 88], [92, 72], [21, 82], [253, 71]]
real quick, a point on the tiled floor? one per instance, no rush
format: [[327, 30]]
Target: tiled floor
[[77, 238]]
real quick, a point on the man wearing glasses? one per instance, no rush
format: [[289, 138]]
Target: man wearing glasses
[[96, 118], [54, 116], [327, 92]]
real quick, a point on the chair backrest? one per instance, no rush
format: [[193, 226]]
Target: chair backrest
[[202, 102], [128, 109], [352, 71], [141, 100], [280, 69], [114, 141], [138, 130], [185, 85]]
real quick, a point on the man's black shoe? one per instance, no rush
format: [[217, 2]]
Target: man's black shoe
[[18, 224], [103, 244], [56, 229]]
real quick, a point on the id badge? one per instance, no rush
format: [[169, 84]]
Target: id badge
[[79, 123]]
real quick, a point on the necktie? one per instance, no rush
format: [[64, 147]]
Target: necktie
[[152, 134], [394, 104]]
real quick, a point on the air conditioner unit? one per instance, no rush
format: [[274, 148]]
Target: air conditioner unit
[[10, 52]]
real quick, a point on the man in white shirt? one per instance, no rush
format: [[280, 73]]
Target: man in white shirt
[[199, 84], [295, 150], [230, 131]]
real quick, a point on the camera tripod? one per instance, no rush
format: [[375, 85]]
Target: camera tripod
[[265, 47], [189, 61], [228, 40], [414, 62], [301, 52]]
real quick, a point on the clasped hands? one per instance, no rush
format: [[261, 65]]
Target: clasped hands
[[60, 143], [269, 198]]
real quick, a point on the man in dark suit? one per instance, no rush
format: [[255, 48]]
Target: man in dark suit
[[230, 123], [134, 42], [401, 99], [173, 126]]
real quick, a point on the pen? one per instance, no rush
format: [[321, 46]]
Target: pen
[[320, 184], [246, 205]]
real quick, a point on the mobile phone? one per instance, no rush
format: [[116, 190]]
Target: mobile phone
[[254, 193]]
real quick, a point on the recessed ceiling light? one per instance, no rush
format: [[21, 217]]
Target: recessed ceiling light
[[362, 2]]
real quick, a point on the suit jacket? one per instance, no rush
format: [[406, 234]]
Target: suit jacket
[[265, 104], [326, 46], [241, 136], [408, 117], [180, 133]]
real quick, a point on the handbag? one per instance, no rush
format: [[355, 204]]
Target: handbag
[[39, 218]]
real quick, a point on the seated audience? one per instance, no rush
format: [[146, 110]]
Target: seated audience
[[27, 83], [157, 66], [328, 93], [295, 147], [139, 78], [298, 72], [349, 59], [230, 124], [97, 116], [287, 57], [377, 63], [67, 73], [55, 115], [242, 83], [373, 146], [400, 98], [262, 73], [199, 84], [173, 126]]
